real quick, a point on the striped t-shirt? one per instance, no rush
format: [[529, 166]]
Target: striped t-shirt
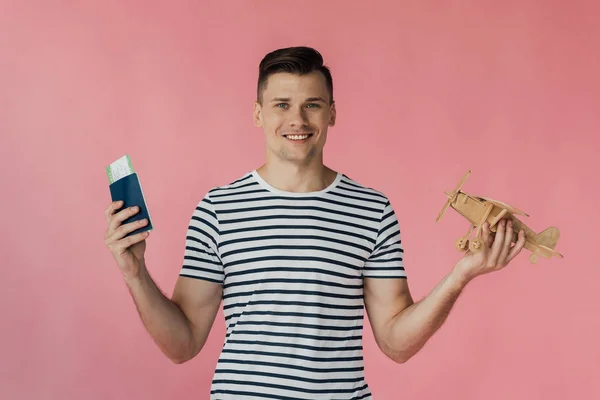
[[292, 268]]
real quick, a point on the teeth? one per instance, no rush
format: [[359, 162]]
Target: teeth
[[297, 137]]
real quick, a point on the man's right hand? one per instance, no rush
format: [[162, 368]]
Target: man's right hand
[[128, 252]]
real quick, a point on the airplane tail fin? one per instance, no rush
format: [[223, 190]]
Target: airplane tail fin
[[548, 237]]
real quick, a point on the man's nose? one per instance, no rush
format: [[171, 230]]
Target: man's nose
[[298, 117]]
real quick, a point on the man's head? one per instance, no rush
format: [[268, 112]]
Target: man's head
[[294, 96]]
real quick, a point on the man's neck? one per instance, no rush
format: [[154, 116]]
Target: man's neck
[[297, 179]]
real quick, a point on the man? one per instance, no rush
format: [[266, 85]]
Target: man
[[295, 250]]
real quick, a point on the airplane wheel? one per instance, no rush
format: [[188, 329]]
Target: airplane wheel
[[462, 244], [533, 258], [475, 245]]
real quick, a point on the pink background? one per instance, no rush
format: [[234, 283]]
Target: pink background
[[424, 92]]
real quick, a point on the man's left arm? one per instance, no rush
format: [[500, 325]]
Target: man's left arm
[[402, 327]]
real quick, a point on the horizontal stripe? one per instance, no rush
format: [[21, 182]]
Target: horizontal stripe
[[236, 193], [384, 268], [253, 394], [308, 238], [198, 250], [289, 281], [289, 377], [245, 361], [293, 247], [205, 207], [261, 395], [205, 278], [202, 232], [344, 224], [296, 356], [298, 314], [291, 258], [386, 260], [285, 387], [204, 260], [396, 245], [346, 196], [296, 346], [297, 200], [297, 227], [391, 235], [200, 269], [297, 335], [387, 276], [384, 253], [254, 271], [294, 303], [353, 187], [292, 292], [224, 189], [298, 325]]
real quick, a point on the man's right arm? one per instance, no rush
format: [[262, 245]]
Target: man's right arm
[[180, 325]]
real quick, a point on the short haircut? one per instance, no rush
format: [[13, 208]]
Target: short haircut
[[296, 60]]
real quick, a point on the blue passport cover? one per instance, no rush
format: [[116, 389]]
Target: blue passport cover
[[129, 190]]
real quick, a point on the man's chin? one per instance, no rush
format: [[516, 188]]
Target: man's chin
[[298, 157]]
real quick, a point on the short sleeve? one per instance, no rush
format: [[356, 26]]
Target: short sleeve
[[387, 257], [201, 257]]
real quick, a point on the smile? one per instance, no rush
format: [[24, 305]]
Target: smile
[[298, 137]]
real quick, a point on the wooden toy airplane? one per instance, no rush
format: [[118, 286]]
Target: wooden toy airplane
[[477, 210]]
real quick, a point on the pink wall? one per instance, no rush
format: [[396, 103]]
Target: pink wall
[[425, 91]]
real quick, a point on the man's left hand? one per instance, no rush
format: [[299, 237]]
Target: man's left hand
[[496, 252]]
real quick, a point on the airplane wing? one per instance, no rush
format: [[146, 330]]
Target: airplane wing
[[547, 251], [510, 209]]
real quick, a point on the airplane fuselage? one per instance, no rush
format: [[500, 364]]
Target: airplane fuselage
[[473, 209]]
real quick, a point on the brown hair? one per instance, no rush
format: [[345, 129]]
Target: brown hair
[[297, 60]]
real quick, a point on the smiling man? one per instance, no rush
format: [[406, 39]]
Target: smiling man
[[296, 252]]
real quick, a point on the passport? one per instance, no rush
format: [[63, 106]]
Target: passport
[[125, 186]]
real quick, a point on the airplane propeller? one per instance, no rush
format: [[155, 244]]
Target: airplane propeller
[[453, 195]]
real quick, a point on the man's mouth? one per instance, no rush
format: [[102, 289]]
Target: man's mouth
[[297, 136]]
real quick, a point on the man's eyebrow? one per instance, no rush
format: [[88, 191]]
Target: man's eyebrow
[[287, 99]]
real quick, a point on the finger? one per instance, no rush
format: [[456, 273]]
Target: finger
[[123, 230], [121, 216], [498, 242], [508, 234], [486, 235], [122, 245], [517, 247], [110, 210]]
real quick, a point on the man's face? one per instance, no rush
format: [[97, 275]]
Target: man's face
[[295, 114]]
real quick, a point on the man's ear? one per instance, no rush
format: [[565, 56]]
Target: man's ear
[[333, 114], [257, 114]]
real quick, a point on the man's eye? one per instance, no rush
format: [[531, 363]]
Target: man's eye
[[313, 105], [281, 105]]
